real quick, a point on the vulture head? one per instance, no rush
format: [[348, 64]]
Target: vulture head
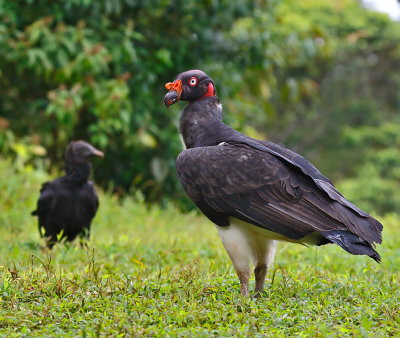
[[189, 86], [79, 152]]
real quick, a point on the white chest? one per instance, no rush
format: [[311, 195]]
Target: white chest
[[183, 142]]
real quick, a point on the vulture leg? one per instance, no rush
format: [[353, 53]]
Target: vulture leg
[[244, 278], [263, 258], [243, 244], [235, 244], [51, 237], [260, 272], [84, 237], [51, 240]]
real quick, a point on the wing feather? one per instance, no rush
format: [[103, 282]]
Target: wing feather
[[287, 195]]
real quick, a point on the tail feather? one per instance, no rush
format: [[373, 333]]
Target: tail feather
[[351, 243]]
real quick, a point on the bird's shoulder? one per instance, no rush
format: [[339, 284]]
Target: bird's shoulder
[[241, 150], [49, 194], [88, 191], [245, 163], [227, 168], [62, 190], [222, 154], [58, 187], [50, 187]]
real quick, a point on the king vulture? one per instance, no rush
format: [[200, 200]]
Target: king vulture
[[257, 192]]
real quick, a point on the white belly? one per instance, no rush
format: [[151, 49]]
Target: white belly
[[245, 242]]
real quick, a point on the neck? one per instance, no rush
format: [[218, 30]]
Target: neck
[[209, 93], [78, 172], [201, 123]]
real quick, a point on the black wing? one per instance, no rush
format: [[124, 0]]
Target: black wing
[[92, 200], [65, 206], [46, 204], [279, 191]]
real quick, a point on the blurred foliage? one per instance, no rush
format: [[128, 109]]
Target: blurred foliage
[[304, 73], [377, 182]]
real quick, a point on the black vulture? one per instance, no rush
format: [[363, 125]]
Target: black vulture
[[257, 192], [68, 204]]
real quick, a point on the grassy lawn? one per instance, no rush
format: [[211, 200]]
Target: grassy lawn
[[157, 272]]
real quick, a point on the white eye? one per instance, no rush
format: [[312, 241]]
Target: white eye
[[193, 81]]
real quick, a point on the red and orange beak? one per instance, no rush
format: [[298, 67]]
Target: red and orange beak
[[174, 92]]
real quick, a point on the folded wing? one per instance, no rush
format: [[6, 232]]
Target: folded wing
[[273, 188]]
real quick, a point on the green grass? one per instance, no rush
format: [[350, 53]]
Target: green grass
[[154, 272]]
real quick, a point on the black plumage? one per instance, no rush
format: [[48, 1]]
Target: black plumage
[[68, 204], [256, 191]]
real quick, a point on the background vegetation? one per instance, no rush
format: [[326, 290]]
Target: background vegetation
[[320, 76], [306, 74]]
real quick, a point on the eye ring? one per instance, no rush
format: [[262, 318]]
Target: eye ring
[[193, 81]]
